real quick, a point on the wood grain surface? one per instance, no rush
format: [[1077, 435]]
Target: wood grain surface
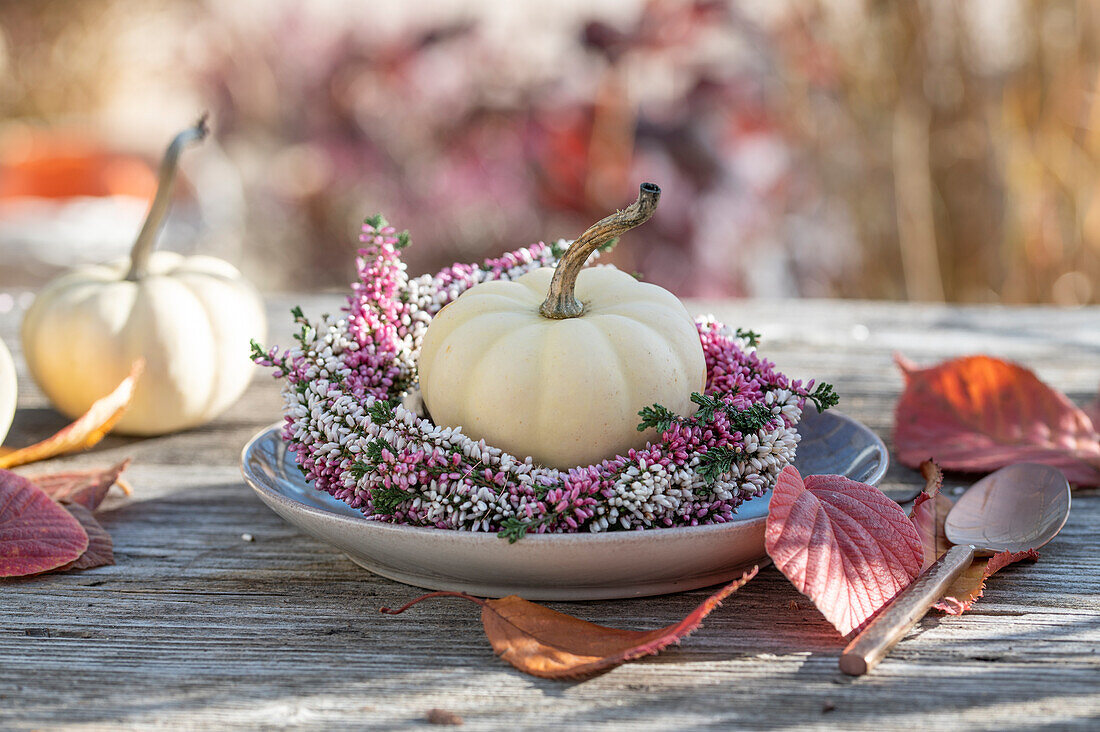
[[197, 628]]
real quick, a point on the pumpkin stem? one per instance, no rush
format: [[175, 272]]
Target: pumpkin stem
[[560, 302], [166, 177]]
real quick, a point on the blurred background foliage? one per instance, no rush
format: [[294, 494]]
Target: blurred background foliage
[[936, 150]]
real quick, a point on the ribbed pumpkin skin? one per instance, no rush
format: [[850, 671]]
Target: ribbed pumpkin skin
[[8, 391], [565, 392], [191, 320]]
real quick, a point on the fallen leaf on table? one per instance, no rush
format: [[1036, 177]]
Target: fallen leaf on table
[[546, 643], [966, 590], [101, 549], [85, 487], [86, 431], [979, 413], [36, 534], [843, 544], [929, 513]]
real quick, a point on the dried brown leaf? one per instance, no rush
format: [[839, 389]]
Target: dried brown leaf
[[966, 590], [929, 513], [86, 431], [544, 642], [85, 487]]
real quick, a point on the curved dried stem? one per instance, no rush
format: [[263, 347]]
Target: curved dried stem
[[560, 302], [166, 177], [441, 593]]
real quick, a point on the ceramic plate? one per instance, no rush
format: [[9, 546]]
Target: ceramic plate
[[554, 566]]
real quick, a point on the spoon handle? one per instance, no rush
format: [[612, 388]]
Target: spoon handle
[[883, 633]]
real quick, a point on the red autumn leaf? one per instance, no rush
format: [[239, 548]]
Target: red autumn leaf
[[101, 550], [85, 487], [966, 590], [86, 431], [843, 544], [36, 534], [929, 513], [978, 413], [543, 642]]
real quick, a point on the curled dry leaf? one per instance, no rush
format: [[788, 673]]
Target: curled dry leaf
[[101, 550], [85, 487], [966, 590], [36, 534], [543, 642], [843, 544], [86, 431], [978, 413], [929, 513]]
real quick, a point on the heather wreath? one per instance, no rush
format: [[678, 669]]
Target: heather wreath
[[355, 423]]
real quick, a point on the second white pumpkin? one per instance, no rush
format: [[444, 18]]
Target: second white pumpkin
[[190, 318]]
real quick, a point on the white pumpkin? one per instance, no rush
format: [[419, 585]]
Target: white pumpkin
[[189, 318], [8, 391], [561, 377]]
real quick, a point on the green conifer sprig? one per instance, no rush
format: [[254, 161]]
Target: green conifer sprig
[[718, 461], [658, 417], [386, 500], [513, 529], [824, 396]]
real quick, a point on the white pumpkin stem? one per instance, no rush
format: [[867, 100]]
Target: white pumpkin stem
[[560, 302], [166, 177]]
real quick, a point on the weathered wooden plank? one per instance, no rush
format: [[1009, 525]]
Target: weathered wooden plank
[[196, 628]]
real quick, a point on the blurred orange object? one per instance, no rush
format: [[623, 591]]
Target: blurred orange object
[[66, 164]]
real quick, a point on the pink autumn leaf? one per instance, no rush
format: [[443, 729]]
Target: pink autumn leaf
[[101, 548], [979, 413], [36, 534], [843, 544]]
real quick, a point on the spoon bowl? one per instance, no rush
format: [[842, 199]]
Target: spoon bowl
[[1018, 507]]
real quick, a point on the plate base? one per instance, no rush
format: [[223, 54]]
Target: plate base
[[583, 566], [564, 594]]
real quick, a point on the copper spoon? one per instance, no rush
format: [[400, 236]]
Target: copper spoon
[[1019, 507]]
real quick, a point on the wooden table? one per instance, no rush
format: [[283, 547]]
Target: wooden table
[[195, 627]]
